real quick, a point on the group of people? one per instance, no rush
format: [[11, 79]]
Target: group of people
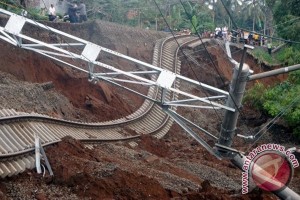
[[247, 38], [75, 13], [221, 32], [240, 36], [251, 38]]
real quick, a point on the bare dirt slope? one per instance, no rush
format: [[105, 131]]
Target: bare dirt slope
[[175, 167], [106, 101]]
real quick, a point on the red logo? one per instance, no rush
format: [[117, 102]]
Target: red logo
[[271, 171]]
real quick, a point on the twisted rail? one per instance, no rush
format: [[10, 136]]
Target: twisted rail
[[17, 129]]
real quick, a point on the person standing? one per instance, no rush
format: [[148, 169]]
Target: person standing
[[82, 12], [52, 13], [250, 39], [269, 45], [72, 12]]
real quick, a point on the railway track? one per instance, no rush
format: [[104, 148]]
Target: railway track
[[18, 130]]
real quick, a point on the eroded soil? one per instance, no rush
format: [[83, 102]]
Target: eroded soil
[[175, 167]]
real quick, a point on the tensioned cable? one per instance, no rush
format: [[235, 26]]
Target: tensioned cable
[[169, 28], [184, 54], [214, 65], [69, 46], [197, 51], [263, 131], [197, 33], [284, 110], [225, 56], [267, 36], [280, 39], [289, 21], [68, 43], [212, 46], [230, 16], [272, 37], [207, 63]]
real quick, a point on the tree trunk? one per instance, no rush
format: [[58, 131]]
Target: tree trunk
[[254, 15], [269, 22]]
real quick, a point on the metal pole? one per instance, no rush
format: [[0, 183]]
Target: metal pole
[[181, 123], [237, 89], [241, 64], [274, 72], [46, 159], [37, 154]]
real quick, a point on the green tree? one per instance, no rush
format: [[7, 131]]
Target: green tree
[[286, 15], [198, 16], [254, 11], [284, 97]]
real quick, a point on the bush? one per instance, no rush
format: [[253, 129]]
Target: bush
[[284, 98], [254, 97], [35, 14], [289, 55], [296, 131]]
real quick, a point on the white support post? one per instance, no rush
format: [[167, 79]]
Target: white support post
[[40, 153], [37, 154], [46, 160]]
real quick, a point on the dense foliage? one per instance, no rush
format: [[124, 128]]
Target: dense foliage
[[282, 99], [196, 15], [144, 13], [285, 96], [286, 15]]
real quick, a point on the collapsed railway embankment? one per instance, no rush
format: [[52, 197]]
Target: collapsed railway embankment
[[174, 167]]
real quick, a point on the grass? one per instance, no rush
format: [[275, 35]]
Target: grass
[[263, 56], [287, 56]]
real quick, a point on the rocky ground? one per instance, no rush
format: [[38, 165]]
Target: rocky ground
[[175, 167]]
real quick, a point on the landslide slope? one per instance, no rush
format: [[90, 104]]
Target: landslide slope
[[175, 167]]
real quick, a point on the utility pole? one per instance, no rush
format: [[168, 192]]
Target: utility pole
[[265, 21], [236, 93], [254, 15], [139, 20], [156, 23], [237, 88]]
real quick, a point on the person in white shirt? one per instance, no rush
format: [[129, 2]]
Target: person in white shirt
[[52, 13]]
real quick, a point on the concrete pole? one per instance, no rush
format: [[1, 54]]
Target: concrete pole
[[274, 72], [237, 90]]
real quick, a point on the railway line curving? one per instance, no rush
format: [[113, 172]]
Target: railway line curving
[[18, 129]]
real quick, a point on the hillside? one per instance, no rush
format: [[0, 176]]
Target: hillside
[[176, 167]]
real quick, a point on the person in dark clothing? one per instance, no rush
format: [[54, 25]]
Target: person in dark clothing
[[82, 12], [250, 39], [269, 45], [72, 13]]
